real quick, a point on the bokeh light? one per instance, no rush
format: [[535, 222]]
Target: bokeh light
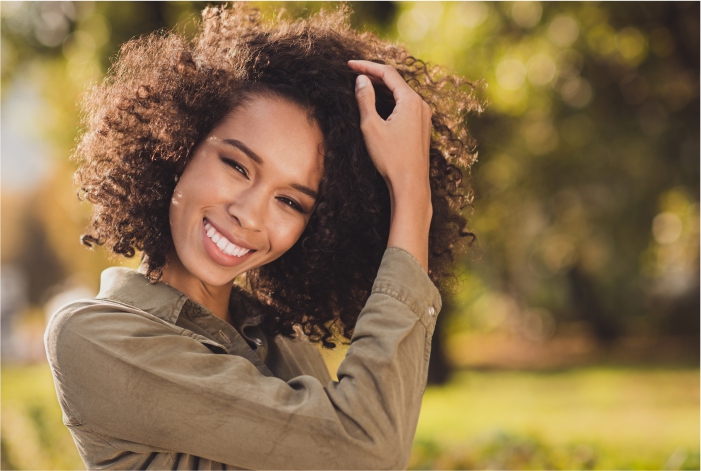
[[577, 305]]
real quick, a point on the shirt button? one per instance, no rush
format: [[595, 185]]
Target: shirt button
[[431, 311]]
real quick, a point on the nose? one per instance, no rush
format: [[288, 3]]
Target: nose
[[248, 207]]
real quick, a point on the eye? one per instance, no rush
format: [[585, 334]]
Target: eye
[[291, 203], [235, 165]]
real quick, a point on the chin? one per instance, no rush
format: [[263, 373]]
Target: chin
[[216, 275]]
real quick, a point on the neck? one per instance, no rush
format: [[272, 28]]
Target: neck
[[214, 298]]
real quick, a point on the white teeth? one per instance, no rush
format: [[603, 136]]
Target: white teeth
[[223, 243]]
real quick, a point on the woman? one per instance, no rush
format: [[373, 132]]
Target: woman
[[289, 154]]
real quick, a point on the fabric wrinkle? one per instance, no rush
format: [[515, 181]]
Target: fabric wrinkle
[[162, 388]]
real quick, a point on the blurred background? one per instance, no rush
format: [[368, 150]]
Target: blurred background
[[572, 341]]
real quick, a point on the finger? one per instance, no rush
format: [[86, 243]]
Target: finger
[[388, 74], [365, 95]]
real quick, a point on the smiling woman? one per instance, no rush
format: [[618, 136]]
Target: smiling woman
[[244, 198], [299, 155]]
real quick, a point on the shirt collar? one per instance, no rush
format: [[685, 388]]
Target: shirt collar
[[130, 287]]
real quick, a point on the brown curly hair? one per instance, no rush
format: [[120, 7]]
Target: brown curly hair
[[165, 92]]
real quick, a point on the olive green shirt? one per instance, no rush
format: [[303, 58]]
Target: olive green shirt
[[149, 379]]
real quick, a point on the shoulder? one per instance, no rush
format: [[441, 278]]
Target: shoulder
[[88, 324], [69, 320]]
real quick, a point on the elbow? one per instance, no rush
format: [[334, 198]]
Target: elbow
[[390, 459], [382, 454]]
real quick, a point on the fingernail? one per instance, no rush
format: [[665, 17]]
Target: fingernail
[[360, 82]]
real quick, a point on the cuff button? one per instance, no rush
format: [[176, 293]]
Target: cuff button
[[431, 311]]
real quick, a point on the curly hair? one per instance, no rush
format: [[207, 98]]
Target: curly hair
[[164, 93]]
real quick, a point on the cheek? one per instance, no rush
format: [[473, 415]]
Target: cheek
[[185, 208], [200, 187], [183, 198], [285, 233], [178, 221], [176, 209]]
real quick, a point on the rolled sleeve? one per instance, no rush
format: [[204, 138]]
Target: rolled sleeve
[[402, 277]]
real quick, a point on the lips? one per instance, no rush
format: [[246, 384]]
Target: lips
[[221, 248], [224, 244]]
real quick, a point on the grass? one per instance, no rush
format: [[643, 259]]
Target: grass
[[32, 433], [592, 418]]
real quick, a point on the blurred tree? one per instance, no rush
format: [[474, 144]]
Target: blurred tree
[[587, 187], [593, 118]]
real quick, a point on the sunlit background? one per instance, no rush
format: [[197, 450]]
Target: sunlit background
[[572, 341]]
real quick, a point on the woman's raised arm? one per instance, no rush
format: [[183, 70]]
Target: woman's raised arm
[[399, 147]]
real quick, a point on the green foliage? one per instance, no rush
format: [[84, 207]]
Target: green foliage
[[586, 208], [585, 419], [32, 432], [593, 418], [500, 450], [587, 186], [592, 121]]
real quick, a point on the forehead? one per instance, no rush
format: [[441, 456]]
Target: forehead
[[280, 132]]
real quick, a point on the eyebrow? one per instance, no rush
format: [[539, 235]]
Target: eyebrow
[[256, 158], [306, 190], [243, 148]]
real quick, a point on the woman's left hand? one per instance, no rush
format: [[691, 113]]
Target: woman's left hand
[[399, 148], [398, 145]]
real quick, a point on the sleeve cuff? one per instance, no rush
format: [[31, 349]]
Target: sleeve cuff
[[402, 277]]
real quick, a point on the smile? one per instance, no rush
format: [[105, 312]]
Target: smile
[[223, 244]]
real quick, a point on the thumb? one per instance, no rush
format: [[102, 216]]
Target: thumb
[[365, 95]]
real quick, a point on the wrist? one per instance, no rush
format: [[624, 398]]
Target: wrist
[[411, 198], [410, 213], [410, 222]]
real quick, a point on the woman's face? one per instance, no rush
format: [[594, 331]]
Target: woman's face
[[247, 192]]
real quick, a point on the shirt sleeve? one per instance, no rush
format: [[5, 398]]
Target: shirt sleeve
[[137, 380]]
